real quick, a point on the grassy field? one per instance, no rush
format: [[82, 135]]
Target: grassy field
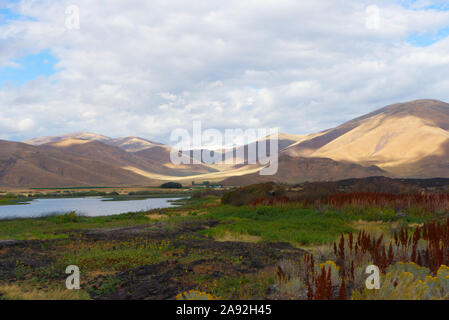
[[13, 201], [290, 223], [59, 227], [300, 224], [293, 223], [200, 248]]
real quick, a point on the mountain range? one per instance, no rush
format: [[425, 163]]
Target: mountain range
[[408, 140]]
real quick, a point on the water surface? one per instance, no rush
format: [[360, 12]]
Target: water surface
[[91, 206]]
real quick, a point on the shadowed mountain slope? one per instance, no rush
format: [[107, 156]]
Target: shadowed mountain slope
[[409, 140], [23, 165], [406, 139], [299, 169]]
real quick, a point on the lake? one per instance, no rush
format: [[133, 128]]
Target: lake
[[90, 206]]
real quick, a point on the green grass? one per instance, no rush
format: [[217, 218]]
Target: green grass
[[293, 223], [198, 203], [115, 256], [370, 213], [10, 199], [235, 287], [144, 197], [290, 223], [10, 202], [72, 188], [296, 223], [107, 286], [56, 227]]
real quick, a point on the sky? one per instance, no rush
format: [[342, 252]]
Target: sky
[[145, 68]]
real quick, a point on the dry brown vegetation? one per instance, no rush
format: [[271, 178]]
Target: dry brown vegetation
[[425, 250]]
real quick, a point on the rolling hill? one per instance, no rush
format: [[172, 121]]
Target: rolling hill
[[406, 139], [99, 151], [300, 169], [77, 136], [130, 144], [409, 140], [133, 144], [23, 165]]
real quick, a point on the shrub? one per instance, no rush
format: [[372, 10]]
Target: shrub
[[417, 205], [65, 218], [265, 193], [415, 284], [171, 185], [413, 266], [194, 295], [394, 286]]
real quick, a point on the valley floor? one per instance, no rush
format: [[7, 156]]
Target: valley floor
[[202, 249]]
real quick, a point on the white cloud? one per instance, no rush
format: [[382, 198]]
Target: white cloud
[[147, 67]]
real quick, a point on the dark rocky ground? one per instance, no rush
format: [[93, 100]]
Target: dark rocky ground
[[163, 280]]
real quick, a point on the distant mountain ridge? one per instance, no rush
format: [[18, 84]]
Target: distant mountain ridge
[[77, 135], [23, 165], [399, 138], [131, 144], [409, 140], [294, 170]]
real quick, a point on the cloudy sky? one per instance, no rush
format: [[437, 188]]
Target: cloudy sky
[[144, 68]]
